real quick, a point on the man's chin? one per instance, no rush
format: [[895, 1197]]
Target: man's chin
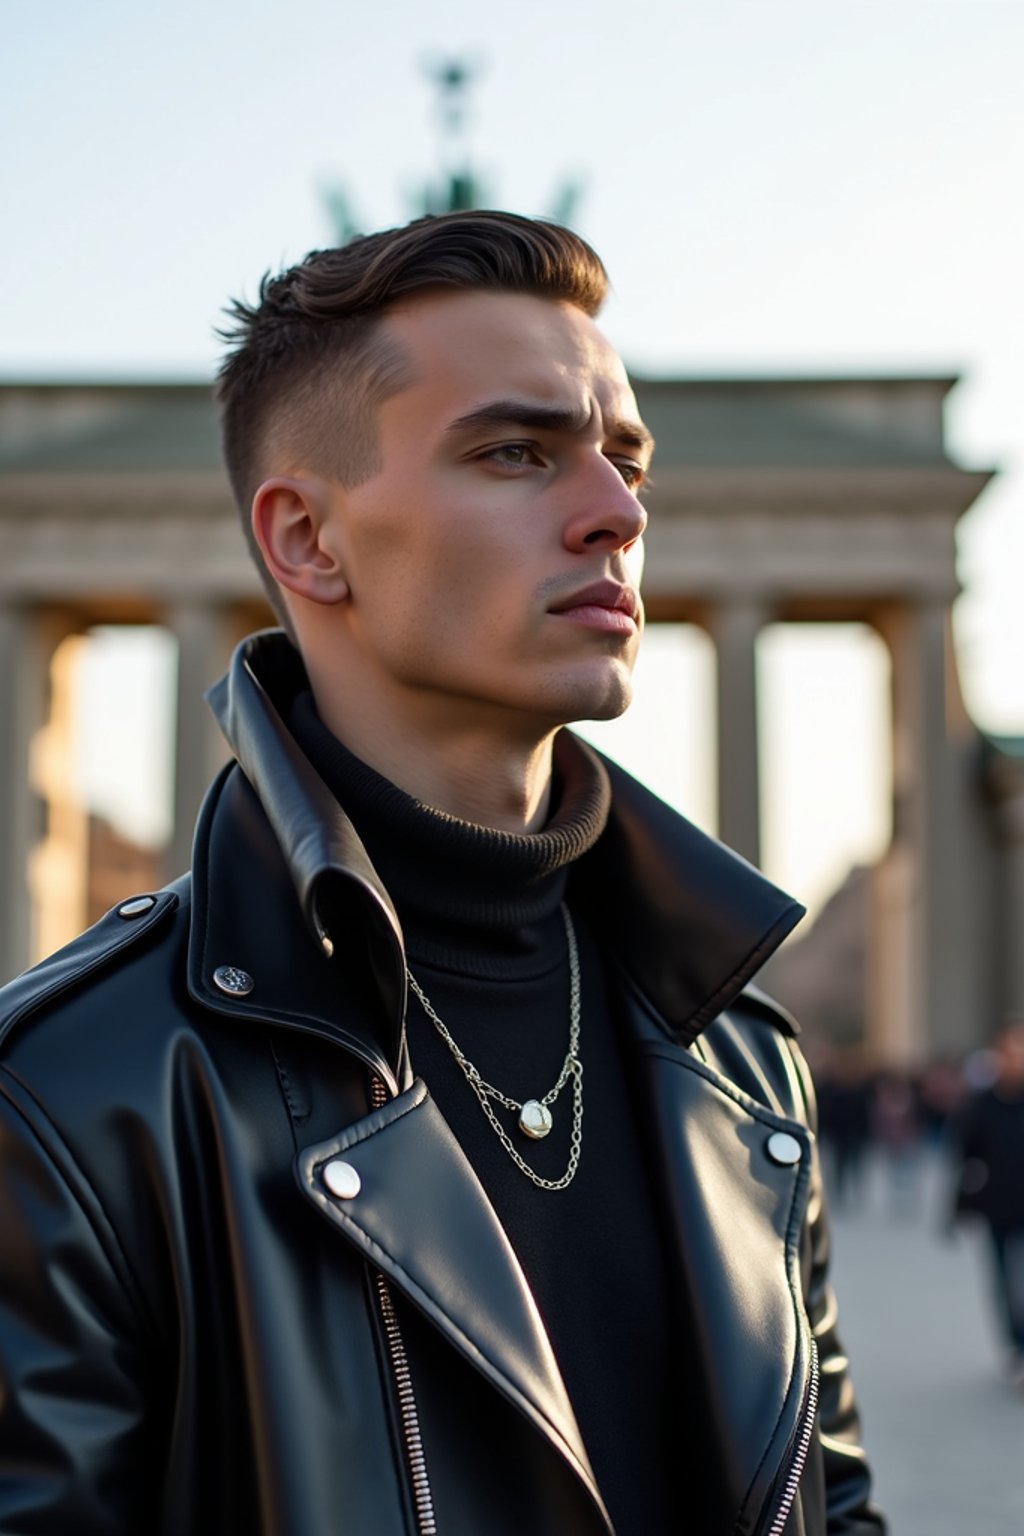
[[608, 712], [606, 703]]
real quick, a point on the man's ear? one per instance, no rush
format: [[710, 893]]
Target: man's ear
[[297, 538]]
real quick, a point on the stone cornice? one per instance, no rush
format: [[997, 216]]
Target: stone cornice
[[198, 494], [928, 488], [676, 492]]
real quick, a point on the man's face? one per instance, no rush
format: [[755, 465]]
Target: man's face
[[493, 562]]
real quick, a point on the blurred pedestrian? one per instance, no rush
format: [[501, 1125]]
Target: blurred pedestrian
[[941, 1092], [989, 1185], [844, 1099], [896, 1121]]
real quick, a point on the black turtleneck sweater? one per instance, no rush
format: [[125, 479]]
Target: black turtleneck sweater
[[481, 916]]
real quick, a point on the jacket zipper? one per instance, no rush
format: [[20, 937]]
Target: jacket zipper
[[409, 1419], [803, 1445]]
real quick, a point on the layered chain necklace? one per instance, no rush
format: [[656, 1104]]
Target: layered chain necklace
[[535, 1117]]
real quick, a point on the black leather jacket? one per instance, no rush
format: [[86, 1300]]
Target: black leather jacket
[[197, 1335]]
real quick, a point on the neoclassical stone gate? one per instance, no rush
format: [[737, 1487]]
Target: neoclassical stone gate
[[775, 500]]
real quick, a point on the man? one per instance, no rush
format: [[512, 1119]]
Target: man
[[425, 1163]]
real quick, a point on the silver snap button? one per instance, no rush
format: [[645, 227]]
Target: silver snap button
[[136, 907], [235, 982], [342, 1179], [784, 1149]]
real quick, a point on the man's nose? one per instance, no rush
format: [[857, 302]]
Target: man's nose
[[607, 515]]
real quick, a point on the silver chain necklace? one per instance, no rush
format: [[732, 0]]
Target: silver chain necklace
[[535, 1117]]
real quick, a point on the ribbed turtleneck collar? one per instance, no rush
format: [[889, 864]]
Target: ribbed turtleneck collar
[[468, 897]]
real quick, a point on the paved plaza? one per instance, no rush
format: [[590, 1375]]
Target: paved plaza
[[944, 1432]]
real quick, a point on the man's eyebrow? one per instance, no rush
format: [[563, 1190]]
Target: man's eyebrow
[[549, 418]]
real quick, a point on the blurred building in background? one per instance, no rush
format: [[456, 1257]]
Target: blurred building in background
[[813, 500]]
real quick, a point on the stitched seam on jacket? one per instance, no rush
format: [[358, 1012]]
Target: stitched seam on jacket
[[284, 1082], [417, 1096], [107, 1236]]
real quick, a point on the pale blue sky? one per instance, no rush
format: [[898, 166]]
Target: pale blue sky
[[797, 187]]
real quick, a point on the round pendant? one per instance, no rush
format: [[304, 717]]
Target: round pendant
[[535, 1119]]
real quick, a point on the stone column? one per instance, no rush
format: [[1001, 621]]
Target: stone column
[[204, 634], [932, 990], [25, 649], [59, 872], [734, 627]]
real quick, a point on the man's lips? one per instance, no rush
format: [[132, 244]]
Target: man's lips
[[603, 605]]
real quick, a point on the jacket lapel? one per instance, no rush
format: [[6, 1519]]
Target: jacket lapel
[[459, 1268], [733, 1218], [691, 921]]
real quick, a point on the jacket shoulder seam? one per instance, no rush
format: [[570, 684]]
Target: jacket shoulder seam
[[769, 1008], [60, 973], [686, 1058]]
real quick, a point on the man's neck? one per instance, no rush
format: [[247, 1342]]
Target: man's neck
[[475, 770]]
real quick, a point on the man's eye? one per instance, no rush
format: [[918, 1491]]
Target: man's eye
[[634, 474], [516, 454]]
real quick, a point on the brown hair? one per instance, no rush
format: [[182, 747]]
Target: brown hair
[[307, 365]]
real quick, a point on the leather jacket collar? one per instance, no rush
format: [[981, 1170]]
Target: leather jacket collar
[[680, 882]]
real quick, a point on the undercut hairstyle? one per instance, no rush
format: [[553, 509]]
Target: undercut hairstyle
[[308, 364]]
